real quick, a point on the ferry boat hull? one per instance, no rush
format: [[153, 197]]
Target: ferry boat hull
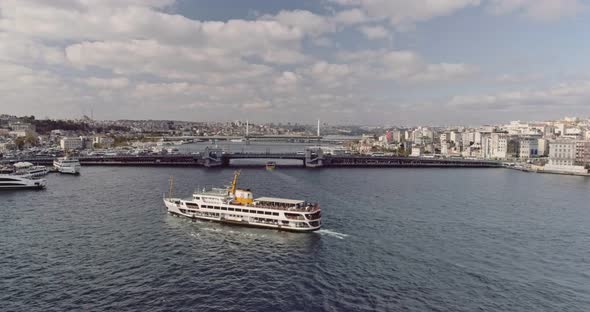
[[67, 168], [175, 206], [12, 182]]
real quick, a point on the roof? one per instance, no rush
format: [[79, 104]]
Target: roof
[[279, 200], [23, 164]]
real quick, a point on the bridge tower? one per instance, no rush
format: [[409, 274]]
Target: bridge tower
[[213, 157], [314, 157]]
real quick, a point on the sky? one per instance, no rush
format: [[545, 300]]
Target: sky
[[371, 62]]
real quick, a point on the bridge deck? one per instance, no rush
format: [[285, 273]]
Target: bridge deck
[[224, 160]]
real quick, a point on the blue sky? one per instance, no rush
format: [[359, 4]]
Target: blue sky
[[393, 62]]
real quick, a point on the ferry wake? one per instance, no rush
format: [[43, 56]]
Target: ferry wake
[[238, 206]]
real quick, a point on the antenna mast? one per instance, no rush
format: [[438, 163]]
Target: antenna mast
[[318, 127]]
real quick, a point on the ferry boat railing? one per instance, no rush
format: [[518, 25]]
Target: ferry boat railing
[[308, 208]]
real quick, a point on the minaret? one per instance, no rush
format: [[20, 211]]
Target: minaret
[[247, 126]]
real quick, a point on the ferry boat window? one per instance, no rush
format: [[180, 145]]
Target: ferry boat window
[[230, 209], [260, 212], [223, 208], [267, 212], [197, 198], [238, 210], [275, 213]]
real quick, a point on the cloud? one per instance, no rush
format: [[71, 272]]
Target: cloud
[[403, 66], [374, 32], [559, 96], [106, 83], [350, 17], [140, 59], [545, 10], [402, 13]]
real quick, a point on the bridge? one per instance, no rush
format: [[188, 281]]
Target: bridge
[[250, 137], [312, 158]]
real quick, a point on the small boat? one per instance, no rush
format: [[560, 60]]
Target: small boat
[[237, 206], [67, 165], [271, 165], [14, 182]]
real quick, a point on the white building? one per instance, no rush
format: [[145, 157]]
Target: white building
[[543, 147], [417, 151], [562, 158], [104, 141], [499, 145], [562, 153], [455, 137], [71, 143]]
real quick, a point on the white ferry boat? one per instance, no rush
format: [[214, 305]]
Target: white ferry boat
[[13, 182], [67, 165], [237, 206], [28, 170]]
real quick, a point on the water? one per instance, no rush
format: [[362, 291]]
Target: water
[[393, 239]]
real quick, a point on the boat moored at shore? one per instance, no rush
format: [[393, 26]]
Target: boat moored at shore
[[14, 182], [67, 165], [237, 206], [28, 170]]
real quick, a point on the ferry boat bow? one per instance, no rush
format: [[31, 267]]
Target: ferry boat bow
[[237, 206]]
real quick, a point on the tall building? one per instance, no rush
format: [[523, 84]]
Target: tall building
[[528, 148], [582, 153]]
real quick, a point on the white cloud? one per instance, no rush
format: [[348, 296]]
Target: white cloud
[[350, 17], [575, 93], [546, 10], [306, 21], [403, 12], [403, 66], [106, 83], [374, 32], [134, 59]]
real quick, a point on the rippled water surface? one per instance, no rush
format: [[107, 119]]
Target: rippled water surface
[[393, 239]]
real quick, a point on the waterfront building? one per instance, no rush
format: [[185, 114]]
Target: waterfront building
[[543, 147], [455, 137], [103, 141], [70, 143], [486, 146], [499, 145], [417, 151], [468, 138], [562, 158], [562, 153], [528, 148], [444, 148], [582, 153], [396, 136]]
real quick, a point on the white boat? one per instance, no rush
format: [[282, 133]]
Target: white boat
[[28, 170], [67, 165], [237, 206], [237, 140], [13, 182]]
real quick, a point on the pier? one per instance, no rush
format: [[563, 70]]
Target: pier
[[213, 158]]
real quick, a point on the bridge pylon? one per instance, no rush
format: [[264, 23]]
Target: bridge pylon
[[314, 157]]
